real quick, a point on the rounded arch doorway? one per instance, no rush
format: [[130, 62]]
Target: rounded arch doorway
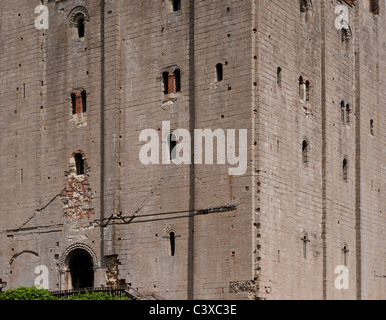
[[81, 269]]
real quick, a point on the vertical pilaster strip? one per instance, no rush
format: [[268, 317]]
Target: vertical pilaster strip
[[358, 242], [324, 147], [190, 279]]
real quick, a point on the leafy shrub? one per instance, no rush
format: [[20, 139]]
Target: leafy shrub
[[25, 293], [97, 296], [33, 293]]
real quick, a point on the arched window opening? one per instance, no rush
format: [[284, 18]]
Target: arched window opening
[[219, 71], [79, 163], [81, 270], [172, 238], [81, 27], [305, 240], [304, 89]]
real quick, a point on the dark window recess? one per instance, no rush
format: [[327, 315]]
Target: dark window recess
[[172, 139], [73, 103], [171, 81], [219, 71], [278, 77], [172, 244], [176, 5], [372, 127], [345, 35], [78, 101], [84, 102], [81, 27], [79, 163], [345, 169], [165, 77], [177, 77], [305, 152], [374, 7], [305, 5]]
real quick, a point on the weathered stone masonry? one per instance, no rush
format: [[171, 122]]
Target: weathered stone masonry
[[75, 98]]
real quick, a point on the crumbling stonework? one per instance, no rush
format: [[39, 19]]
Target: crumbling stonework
[[77, 194]]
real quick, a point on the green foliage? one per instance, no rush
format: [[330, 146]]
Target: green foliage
[[33, 293], [24, 293], [97, 296]]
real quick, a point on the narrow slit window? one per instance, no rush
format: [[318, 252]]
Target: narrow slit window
[[372, 127], [305, 241], [348, 111], [177, 77], [304, 89], [307, 91], [343, 112], [165, 77], [79, 164], [219, 71], [345, 254], [73, 102], [84, 102], [345, 35], [172, 139], [278, 77], [172, 238], [81, 27], [345, 169], [305, 152]]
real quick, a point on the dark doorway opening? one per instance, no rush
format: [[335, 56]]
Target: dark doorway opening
[[81, 268]]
